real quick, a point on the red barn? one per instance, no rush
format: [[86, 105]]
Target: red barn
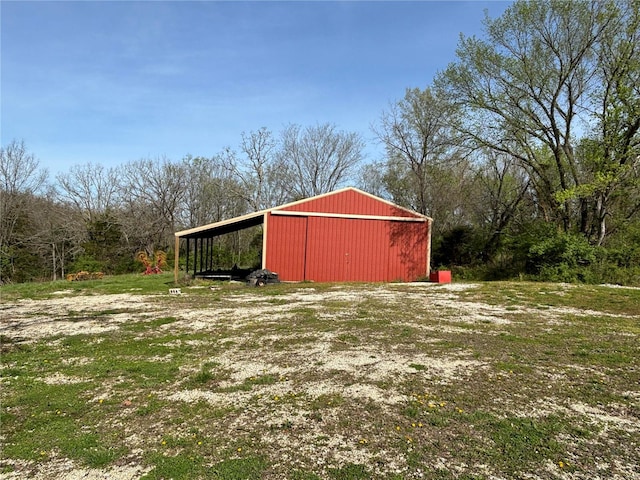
[[346, 235]]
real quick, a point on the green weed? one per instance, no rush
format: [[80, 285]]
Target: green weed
[[350, 471]]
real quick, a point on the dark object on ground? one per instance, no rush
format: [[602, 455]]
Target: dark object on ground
[[260, 278], [237, 274]]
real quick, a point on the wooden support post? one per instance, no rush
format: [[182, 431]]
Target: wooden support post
[[264, 241], [176, 261], [429, 224], [195, 256], [186, 263], [201, 255]]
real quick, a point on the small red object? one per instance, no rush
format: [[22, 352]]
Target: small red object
[[441, 276]]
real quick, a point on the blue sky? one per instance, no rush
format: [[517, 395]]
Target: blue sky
[[113, 81]]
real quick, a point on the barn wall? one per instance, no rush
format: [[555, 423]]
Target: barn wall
[[408, 250], [347, 250], [325, 249], [286, 246]]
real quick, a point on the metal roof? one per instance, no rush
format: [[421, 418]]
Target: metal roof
[[224, 226], [257, 218]]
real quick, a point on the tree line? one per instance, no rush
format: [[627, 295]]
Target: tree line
[[525, 151], [97, 218]]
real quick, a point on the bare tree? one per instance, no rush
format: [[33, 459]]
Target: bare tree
[[91, 192], [153, 196], [58, 233], [420, 146], [318, 159], [20, 171], [372, 179], [210, 192], [21, 178], [91, 188], [502, 189], [257, 170]]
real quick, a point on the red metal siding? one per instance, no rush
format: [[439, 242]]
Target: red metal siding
[[347, 250], [325, 249], [408, 244], [286, 246], [350, 202]]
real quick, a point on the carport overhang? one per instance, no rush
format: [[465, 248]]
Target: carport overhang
[[214, 230]]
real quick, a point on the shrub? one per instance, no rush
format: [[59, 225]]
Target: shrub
[[461, 245], [87, 264], [563, 257]]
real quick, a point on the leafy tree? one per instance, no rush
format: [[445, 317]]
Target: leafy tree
[[525, 91], [562, 257], [612, 155], [460, 245], [103, 247], [545, 108]]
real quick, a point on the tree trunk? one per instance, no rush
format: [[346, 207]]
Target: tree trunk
[[53, 251]]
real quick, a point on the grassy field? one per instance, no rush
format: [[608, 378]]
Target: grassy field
[[117, 378]]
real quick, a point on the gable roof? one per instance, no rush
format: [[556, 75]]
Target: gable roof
[[296, 208]]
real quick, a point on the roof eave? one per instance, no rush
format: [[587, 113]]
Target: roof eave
[[218, 225]]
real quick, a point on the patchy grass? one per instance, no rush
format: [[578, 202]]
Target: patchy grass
[[133, 283], [117, 378]]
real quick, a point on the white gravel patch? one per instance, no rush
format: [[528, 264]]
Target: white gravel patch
[[34, 319], [600, 416], [611, 285], [63, 469], [61, 379]]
